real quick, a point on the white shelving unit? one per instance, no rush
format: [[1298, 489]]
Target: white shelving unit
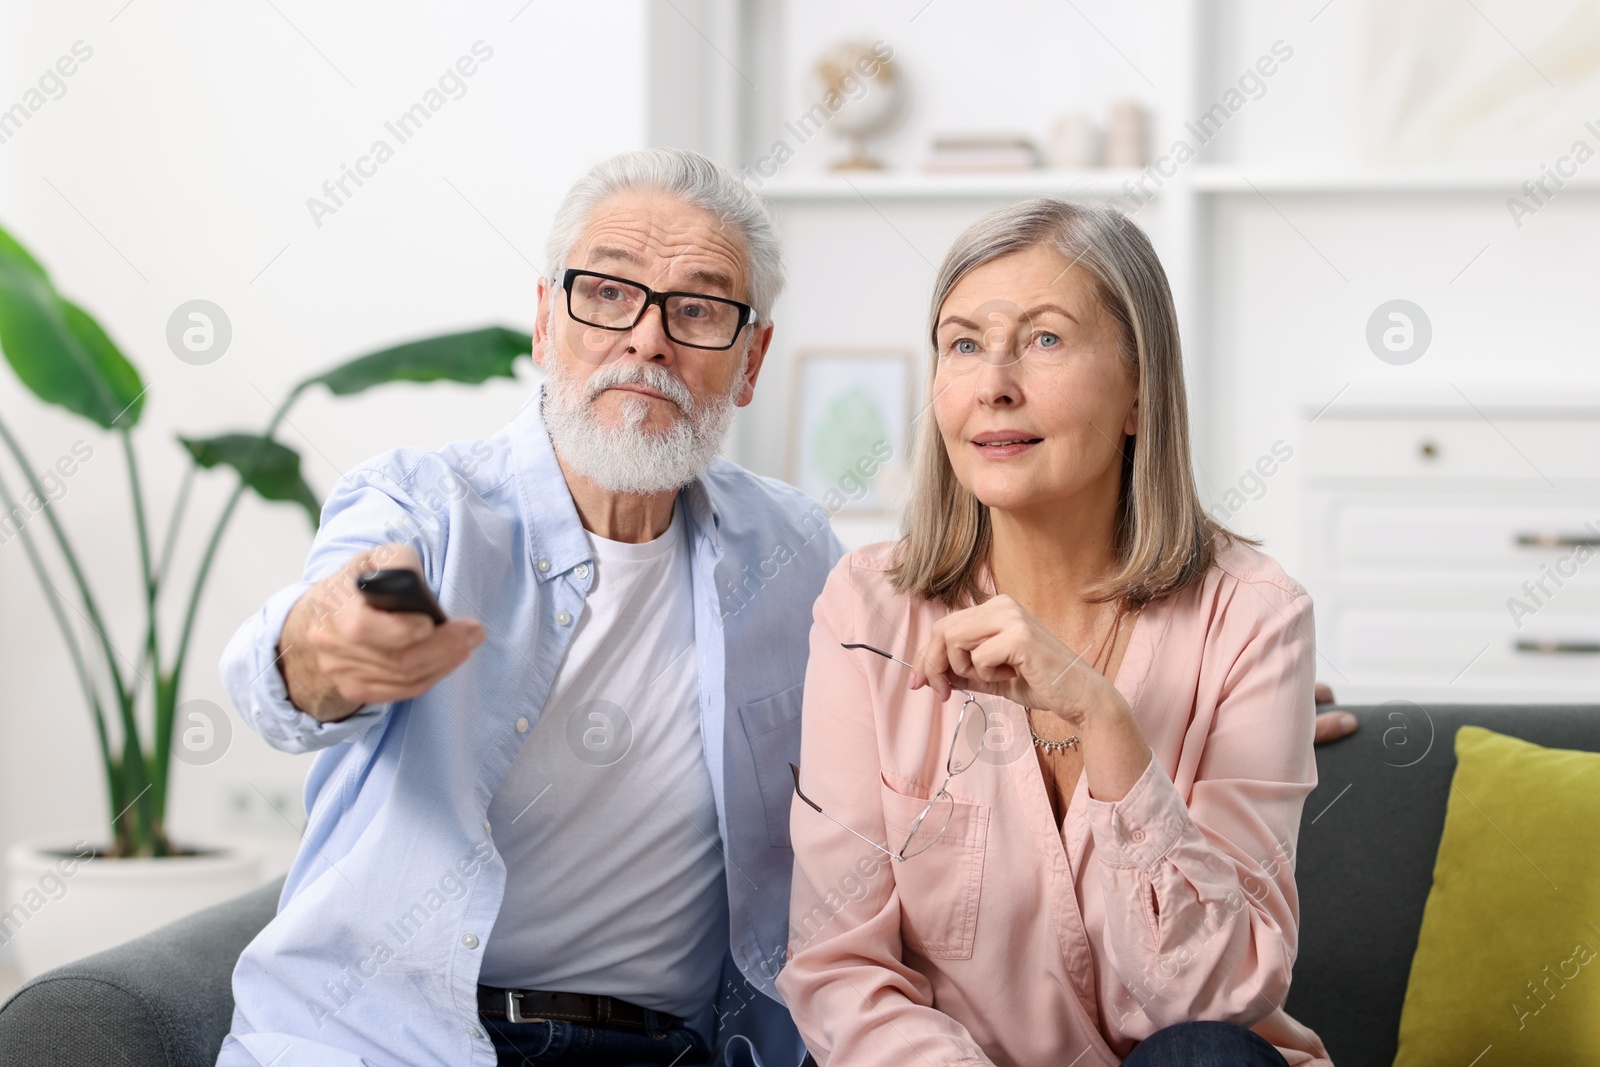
[[1276, 260]]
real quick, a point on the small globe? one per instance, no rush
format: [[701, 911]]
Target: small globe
[[863, 92]]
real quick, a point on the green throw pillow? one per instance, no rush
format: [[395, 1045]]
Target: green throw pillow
[[1507, 969]]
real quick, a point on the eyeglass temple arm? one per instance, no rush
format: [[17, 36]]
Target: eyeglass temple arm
[[812, 804], [903, 663], [879, 651]]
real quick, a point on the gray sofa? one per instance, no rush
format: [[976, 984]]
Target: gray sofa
[[1367, 845]]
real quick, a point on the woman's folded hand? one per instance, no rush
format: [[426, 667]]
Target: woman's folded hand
[[998, 648]]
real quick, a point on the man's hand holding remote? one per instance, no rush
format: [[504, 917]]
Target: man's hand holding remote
[[337, 653]]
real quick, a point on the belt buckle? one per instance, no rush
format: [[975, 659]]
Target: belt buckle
[[514, 1009]]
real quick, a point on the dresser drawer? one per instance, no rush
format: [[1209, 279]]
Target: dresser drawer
[[1515, 536], [1551, 649], [1464, 446]]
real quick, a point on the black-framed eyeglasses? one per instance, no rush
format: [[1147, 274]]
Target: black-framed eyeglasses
[[696, 320], [966, 744]]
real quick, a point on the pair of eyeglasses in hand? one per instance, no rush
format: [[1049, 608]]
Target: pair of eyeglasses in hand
[[966, 743]]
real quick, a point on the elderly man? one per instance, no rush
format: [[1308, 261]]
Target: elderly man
[[554, 829]]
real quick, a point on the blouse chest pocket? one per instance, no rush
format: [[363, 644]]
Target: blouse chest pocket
[[938, 887]]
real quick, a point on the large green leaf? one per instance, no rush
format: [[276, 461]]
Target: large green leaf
[[471, 357], [270, 468], [58, 350], [13, 251]]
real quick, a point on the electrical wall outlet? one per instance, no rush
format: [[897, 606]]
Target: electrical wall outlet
[[265, 807]]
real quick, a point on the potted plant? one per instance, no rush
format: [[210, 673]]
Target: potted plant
[[67, 899]]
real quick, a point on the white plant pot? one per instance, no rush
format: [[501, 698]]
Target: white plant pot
[[59, 907]]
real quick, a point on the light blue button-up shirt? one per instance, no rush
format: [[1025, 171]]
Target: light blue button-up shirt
[[373, 956]]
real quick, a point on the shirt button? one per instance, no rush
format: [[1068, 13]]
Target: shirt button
[[470, 940], [1136, 836], [544, 566], [522, 728], [486, 827], [581, 570], [564, 617], [474, 1032]]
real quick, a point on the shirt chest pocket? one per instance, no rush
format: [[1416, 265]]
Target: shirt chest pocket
[[940, 886], [773, 729]]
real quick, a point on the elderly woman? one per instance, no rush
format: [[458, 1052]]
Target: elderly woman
[[1057, 738]]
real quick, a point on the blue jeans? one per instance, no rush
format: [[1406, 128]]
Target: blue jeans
[[1205, 1044], [549, 1043]]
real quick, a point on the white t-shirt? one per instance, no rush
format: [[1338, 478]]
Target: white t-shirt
[[606, 820]]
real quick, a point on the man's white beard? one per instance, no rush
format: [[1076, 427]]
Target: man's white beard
[[629, 458]]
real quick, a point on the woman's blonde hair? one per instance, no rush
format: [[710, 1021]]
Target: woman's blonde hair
[[1164, 538]]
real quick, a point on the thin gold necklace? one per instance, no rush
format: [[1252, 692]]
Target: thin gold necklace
[[1105, 653]]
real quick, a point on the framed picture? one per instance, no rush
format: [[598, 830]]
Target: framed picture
[[850, 427]]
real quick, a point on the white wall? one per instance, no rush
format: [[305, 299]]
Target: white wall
[[178, 165], [1493, 84]]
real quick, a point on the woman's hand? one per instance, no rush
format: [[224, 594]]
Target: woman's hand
[[996, 647]]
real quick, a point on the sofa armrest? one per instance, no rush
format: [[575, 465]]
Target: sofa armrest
[[161, 1000]]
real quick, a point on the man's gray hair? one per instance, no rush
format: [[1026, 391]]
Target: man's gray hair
[[696, 180]]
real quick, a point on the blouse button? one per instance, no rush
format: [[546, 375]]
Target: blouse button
[[581, 570]]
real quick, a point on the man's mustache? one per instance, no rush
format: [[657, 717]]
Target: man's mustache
[[615, 374]]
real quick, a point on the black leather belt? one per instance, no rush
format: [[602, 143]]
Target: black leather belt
[[536, 1005]]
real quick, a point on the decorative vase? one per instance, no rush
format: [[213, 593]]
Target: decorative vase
[[66, 902]]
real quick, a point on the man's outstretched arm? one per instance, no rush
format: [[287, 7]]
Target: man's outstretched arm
[[314, 665]]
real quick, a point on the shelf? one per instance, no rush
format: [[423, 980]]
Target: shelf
[[1551, 409], [1102, 183], [1471, 401], [915, 185], [1224, 180]]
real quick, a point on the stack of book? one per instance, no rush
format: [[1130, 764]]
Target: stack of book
[[981, 153]]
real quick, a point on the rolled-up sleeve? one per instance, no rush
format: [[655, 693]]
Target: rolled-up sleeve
[[1201, 907], [369, 507]]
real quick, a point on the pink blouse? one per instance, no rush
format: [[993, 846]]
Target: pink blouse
[[1010, 941]]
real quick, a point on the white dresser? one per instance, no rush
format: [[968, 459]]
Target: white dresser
[[1454, 553]]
